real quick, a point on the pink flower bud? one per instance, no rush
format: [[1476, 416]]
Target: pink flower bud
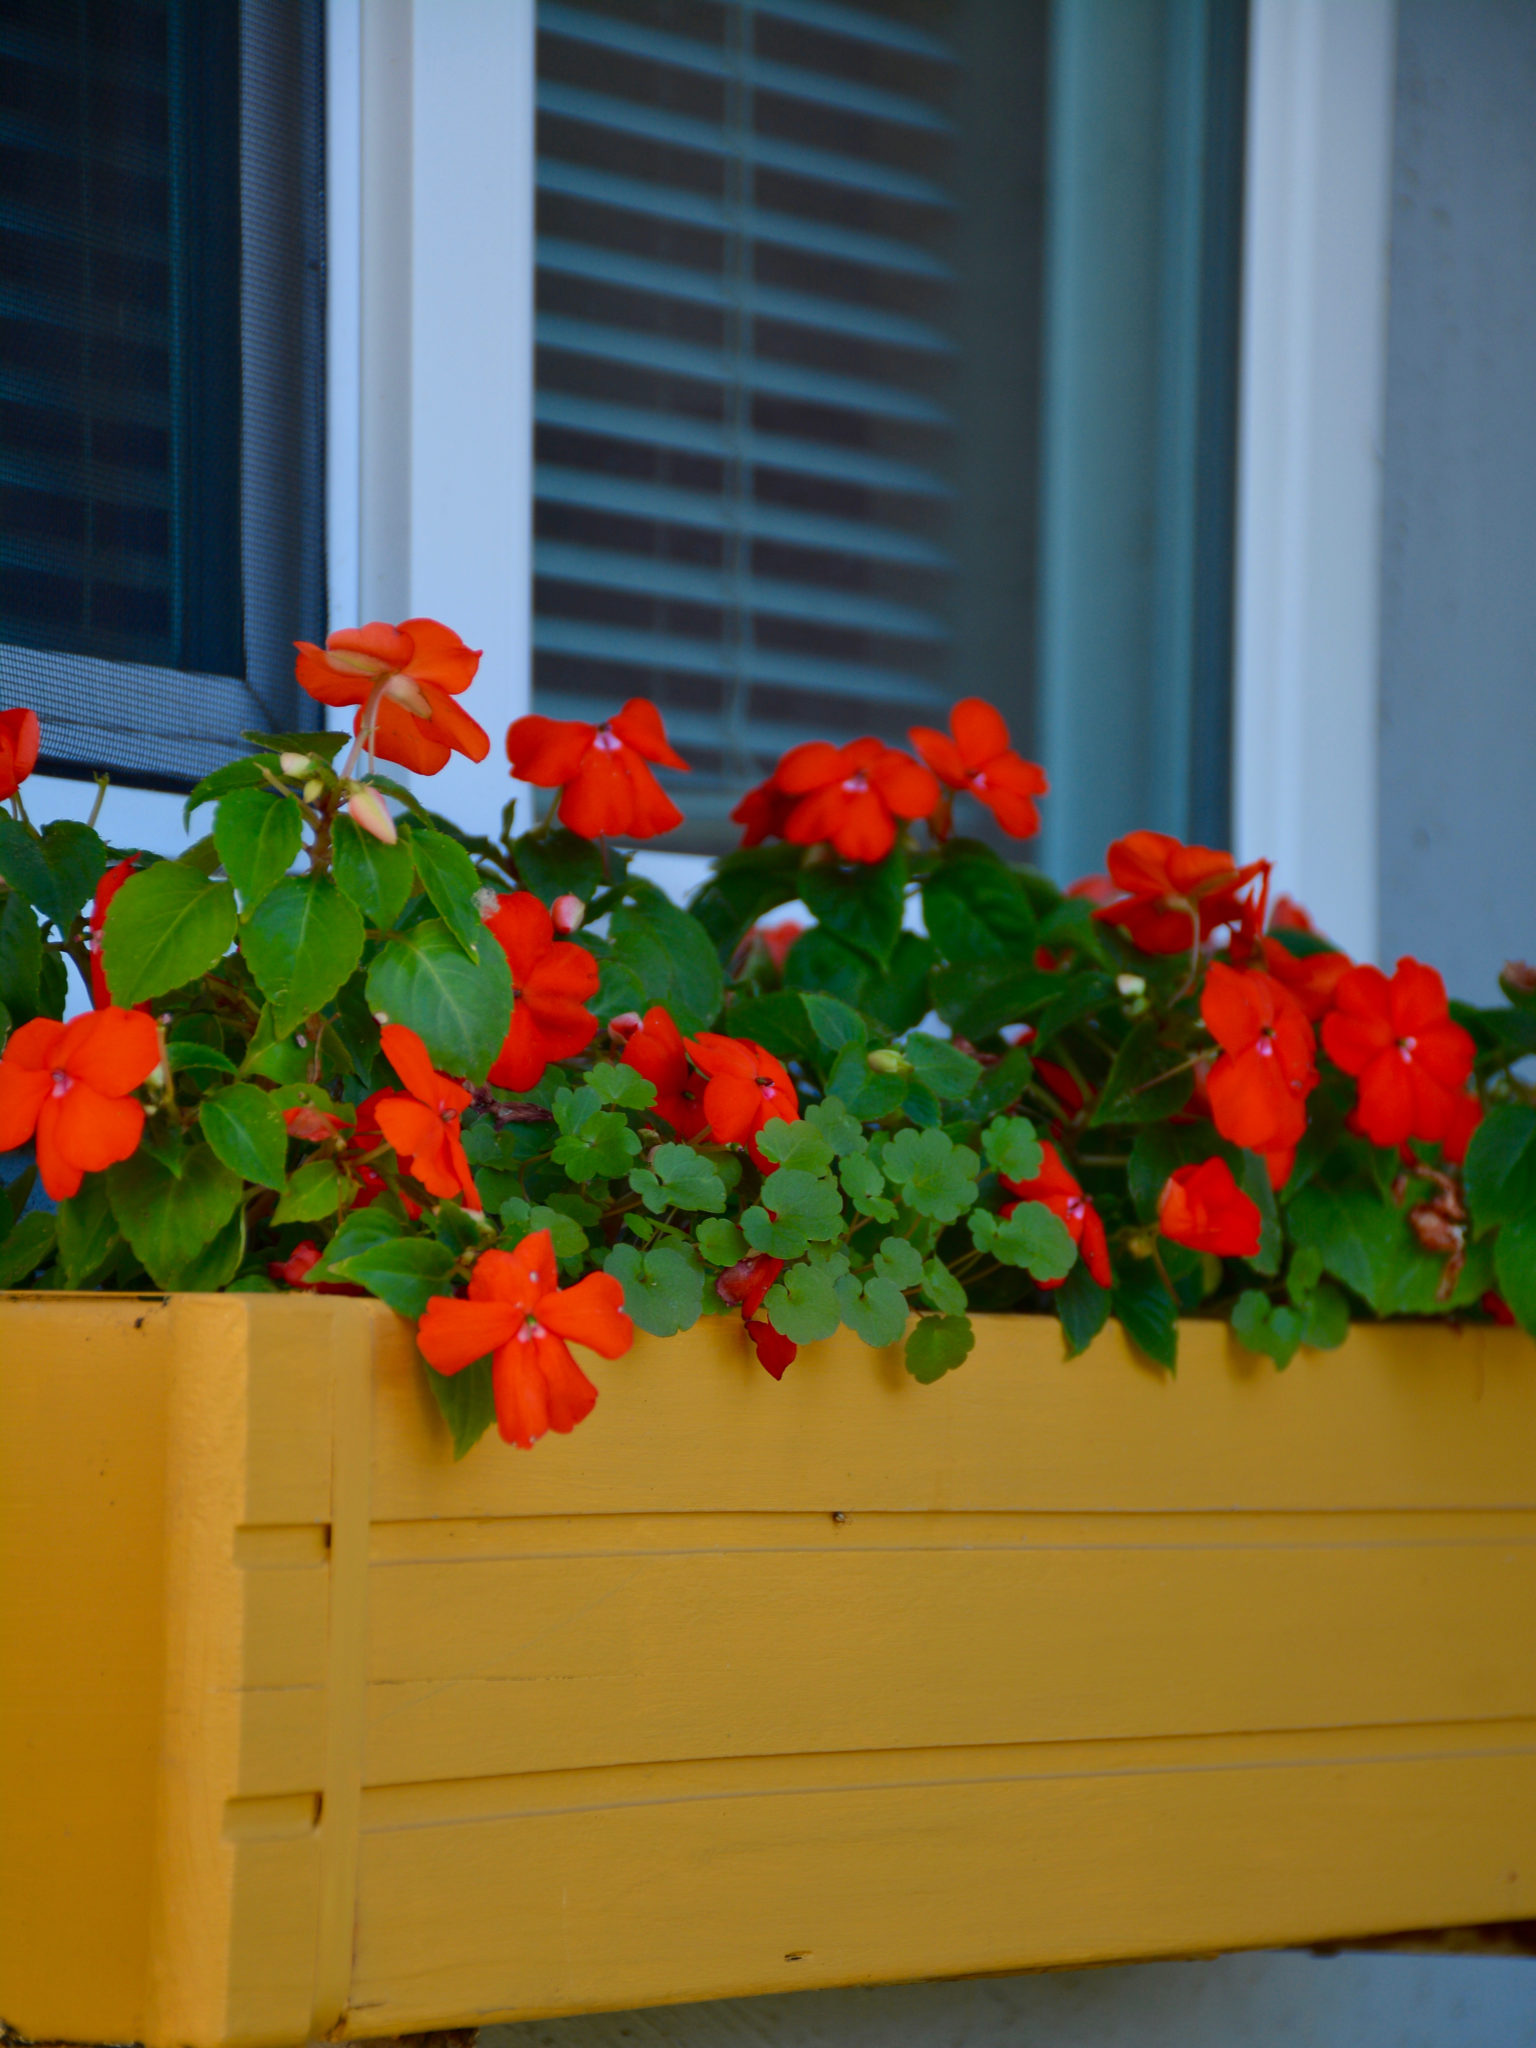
[[370, 814], [567, 913], [621, 1029]]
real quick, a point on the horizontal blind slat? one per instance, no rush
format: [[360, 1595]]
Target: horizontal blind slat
[[627, 645]]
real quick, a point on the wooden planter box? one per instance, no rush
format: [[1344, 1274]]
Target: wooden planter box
[[744, 1687]]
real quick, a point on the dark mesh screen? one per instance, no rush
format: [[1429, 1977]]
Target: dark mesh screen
[[161, 300]]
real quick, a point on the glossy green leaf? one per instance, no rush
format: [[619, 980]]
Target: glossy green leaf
[[168, 924], [258, 834], [466, 1401], [21, 958], [404, 1272], [171, 1219], [1500, 1169], [301, 942], [557, 863], [313, 1192], [247, 1132], [833, 1024], [245, 773], [1083, 1308], [1148, 1313], [448, 875], [26, 1247], [56, 872], [861, 905], [87, 1231], [376, 877], [460, 1008]]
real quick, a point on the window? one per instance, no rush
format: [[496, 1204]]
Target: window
[[160, 374], [816, 432]]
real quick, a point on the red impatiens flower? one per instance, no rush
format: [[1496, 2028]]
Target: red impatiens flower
[[404, 679], [423, 1126], [1310, 977], [72, 1086], [657, 1051], [294, 1271], [20, 738], [106, 889], [518, 1312], [747, 1283], [1289, 916], [746, 1089], [312, 1126], [763, 813], [1176, 893], [606, 789], [1396, 1037], [1055, 1186], [978, 758], [1203, 1208], [552, 980], [1258, 1088], [852, 795], [1465, 1117]]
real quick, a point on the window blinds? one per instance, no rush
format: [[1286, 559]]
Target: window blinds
[[745, 367], [160, 395]]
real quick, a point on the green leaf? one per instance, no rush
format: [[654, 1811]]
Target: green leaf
[[404, 1272], [821, 963], [1325, 1319], [1012, 1149], [976, 909], [300, 943], [937, 1346], [168, 925], [621, 1087], [1500, 1170], [1367, 1243], [898, 997], [874, 1309], [678, 1178], [802, 1304], [458, 1007], [25, 1249], [258, 834], [360, 1230], [1253, 1179], [938, 1065], [864, 1185], [663, 1287], [521, 1219], [866, 1094], [313, 1193], [861, 905], [325, 745], [449, 878], [56, 872], [558, 864], [466, 1401], [1147, 1081], [1001, 1086], [1514, 1262], [934, 1175], [170, 1219], [807, 1202], [765, 1234], [941, 1290], [899, 1261], [596, 1143], [247, 1133], [1148, 1313], [217, 1263], [1083, 1306], [776, 1021], [198, 1061], [744, 886], [1306, 1271], [834, 1024], [373, 876], [21, 958], [721, 1242], [799, 1144], [88, 1232], [1159, 1149], [841, 1131], [1270, 1329], [244, 773], [671, 954], [1033, 1237]]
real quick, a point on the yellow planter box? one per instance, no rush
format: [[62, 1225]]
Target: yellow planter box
[[305, 1729]]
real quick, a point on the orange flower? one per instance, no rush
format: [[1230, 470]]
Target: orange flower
[[657, 1051], [1055, 1186], [762, 813], [979, 759], [852, 795], [519, 1314], [1203, 1208], [1396, 1037], [1175, 892], [746, 1089], [72, 1085], [404, 679], [1310, 977], [106, 889], [20, 737], [313, 1126], [423, 1126], [551, 982], [606, 789], [1258, 1088]]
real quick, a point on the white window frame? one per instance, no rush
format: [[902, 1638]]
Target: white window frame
[[1317, 233]]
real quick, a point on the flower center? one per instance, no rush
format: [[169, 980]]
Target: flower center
[[532, 1328], [1266, 1045], [1076, 1204], [1406, 1048], [857, 783], [768, 1086], [606, 742], [979, 779], [62, 1082], [447, 1115]]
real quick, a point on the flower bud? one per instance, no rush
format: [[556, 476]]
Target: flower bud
[[621, 1029], [295, 764], [312, 789], [567, 913], [487, 903], [369, 813], [1130, 984], [886, 1059]]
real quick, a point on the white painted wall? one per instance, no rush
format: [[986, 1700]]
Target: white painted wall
[[1317, 229]]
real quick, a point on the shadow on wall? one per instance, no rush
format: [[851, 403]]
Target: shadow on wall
[[1258, 2001]]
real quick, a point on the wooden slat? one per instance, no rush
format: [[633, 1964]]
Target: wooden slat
[[648, 1887], [1403, 1417], [496, 1665]]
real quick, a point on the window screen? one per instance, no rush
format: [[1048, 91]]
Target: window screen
[[160, 374]]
